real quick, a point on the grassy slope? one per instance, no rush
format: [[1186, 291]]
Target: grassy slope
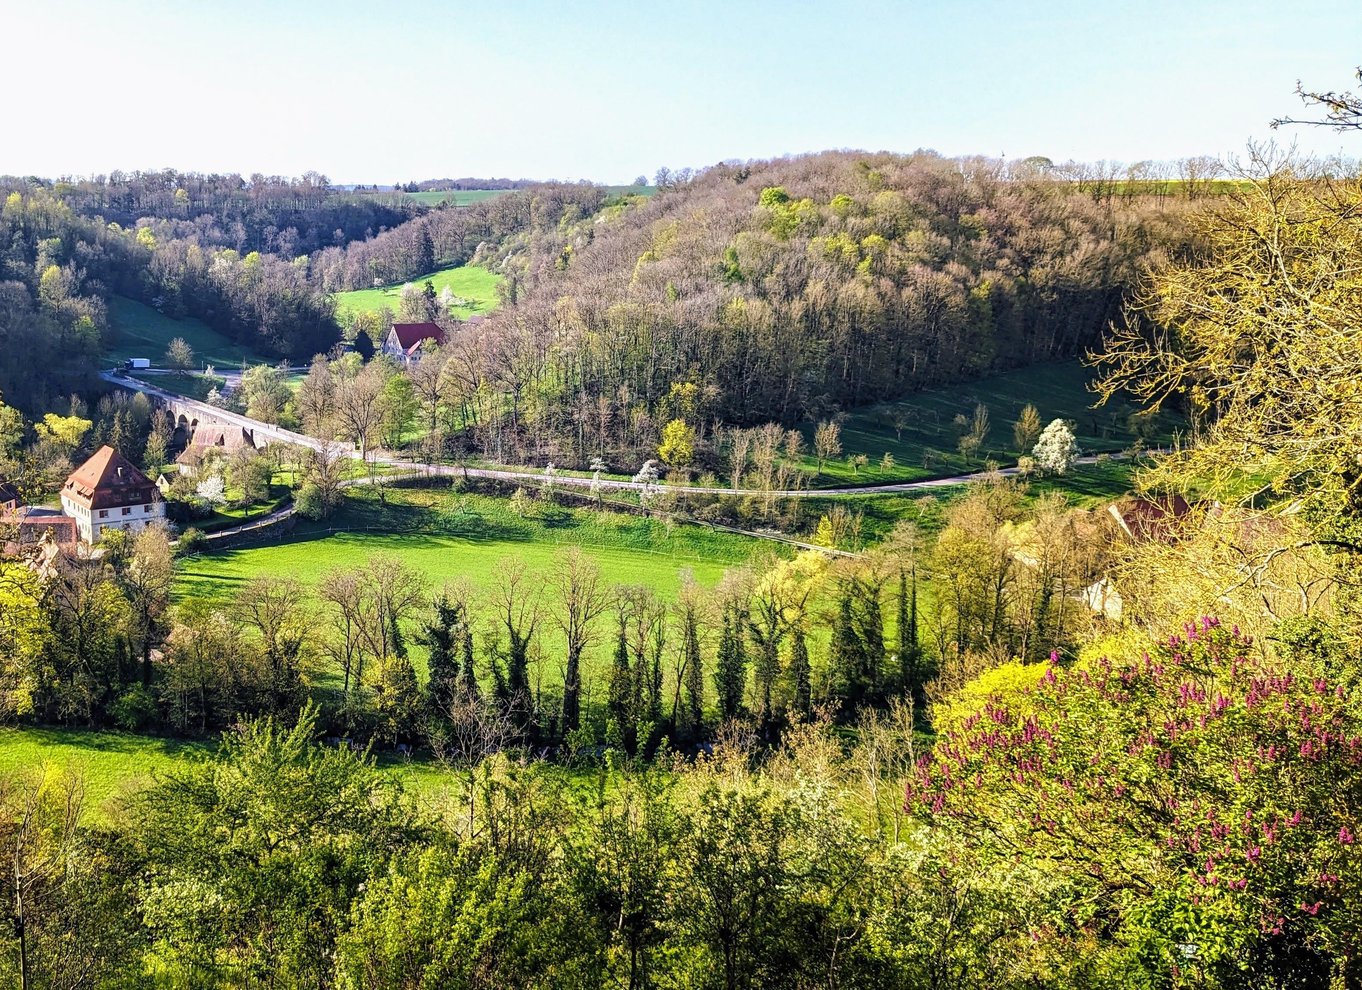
[[475, 284], [446, 535], [140, 331], [1057, 391]]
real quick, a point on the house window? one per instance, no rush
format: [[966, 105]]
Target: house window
[[103, 513], [127, 510]]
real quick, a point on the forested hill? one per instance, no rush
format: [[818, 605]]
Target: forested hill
[[836, 279], [272, 214]]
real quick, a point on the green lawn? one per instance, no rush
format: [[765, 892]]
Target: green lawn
[[142, 332], [477, 285], [447, 535], [112, 764], [116, 765], [1057, 390]]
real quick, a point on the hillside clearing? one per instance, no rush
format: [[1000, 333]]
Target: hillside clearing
[[143, 332], [921, 434], [477, 285]]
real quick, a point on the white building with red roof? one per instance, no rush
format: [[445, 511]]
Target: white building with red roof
[[109, 492], [404, 340]]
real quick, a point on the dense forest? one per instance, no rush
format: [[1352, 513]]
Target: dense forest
[[790, 289], [271, 214]]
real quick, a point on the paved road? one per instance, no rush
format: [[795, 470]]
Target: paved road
[[278, 433]]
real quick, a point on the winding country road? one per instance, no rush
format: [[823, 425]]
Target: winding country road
[[279, 434]]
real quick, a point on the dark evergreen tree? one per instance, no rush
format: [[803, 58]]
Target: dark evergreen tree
[[869, 619], [801, 674], [425, 255], [468, 674], [364, 346], [621, 700], [730, 673], [910, 649], [440, 636], [846, 653]]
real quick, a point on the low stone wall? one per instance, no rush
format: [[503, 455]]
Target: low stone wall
[[266, 530]]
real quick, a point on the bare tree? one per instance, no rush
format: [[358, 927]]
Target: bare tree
[[276, 608], [1342, 110], [581, 603], [827, 442], [360, 405]]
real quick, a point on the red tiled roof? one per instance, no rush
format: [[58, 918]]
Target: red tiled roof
[[34, 522], [1150, 518], [109, 479], [411, 334]]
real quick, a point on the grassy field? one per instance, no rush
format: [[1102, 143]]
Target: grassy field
[[140, 331], [927, 447], [467, 197], [477, 285], [112, 764], [1088, 486], [446, 535], [116, 765]]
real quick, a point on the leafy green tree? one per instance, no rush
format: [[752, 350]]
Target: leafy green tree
[[1026, 430], [179, 355], [254, 858], [65, 431], [11, 430], [677, 448], [264, 393]]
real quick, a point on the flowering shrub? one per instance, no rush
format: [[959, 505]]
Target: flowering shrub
[[1202, 800]]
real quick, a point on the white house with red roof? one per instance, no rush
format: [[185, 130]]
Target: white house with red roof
[[109, 492], [404, 340]]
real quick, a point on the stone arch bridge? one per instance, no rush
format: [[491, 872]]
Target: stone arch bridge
[[198, 422]]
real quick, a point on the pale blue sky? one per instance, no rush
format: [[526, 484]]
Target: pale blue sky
[[387, 90]]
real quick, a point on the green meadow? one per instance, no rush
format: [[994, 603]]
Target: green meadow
[[477, 285], [447, 535], [142, 332]]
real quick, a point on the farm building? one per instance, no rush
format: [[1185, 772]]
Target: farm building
[[27, 526], [404, 340], [109, 492]]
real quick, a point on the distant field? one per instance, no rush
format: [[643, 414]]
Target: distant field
[[477, 285], [1057, 390], [459, 197], [142, 332], [446, 535]]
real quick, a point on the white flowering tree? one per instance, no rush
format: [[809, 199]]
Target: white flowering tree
[[598, 468], [647, 477], [212, 491], [1056, 451]]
